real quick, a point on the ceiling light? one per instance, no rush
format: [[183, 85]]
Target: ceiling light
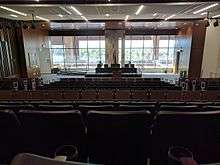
[[109, 0], [205, 8], [216, 16], [12, 15], [154, 14], [42, 18], [139, 9], [84, 18], [107, 15], [77, 11], [38, 0], [204, 13], [64, 9], [14, 11], [171, 16], [60, 15], [215, 24], [126, 17]]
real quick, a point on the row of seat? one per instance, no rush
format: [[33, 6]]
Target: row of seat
[[152, 106], [111, 137]]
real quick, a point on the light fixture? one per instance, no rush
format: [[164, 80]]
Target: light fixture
[[14, 11], [77, 11], [38, 0], [155, 14], [12, 15], [171, 16], [109, 0], [215, 24], [205, 8], [126, 17], [107, 15], [204, 13], [64, 9], [216, 16], [42, 18], [60, 15], [139, 9], [83, 17]]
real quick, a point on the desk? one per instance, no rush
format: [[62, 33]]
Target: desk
[[111, 70]]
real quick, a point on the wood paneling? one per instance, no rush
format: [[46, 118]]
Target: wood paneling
[[198, 41]]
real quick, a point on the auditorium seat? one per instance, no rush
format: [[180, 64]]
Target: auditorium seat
[[128, 107], [55, 107], [26, 158], [16, 107], [45, 131], [9, 138], [180, 108], [197, 131], [118, 137], [212, 108]]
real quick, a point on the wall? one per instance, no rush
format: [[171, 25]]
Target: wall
[[184, 41], [36, 44], [211, 55], [10, 64]]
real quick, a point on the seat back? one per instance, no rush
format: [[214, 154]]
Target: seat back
[[54, 107], [10, 131], [180, 108], [118, 137], [197, 131], [27, 159], [45, 131]]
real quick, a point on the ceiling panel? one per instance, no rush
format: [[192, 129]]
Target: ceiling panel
[[116, 11]]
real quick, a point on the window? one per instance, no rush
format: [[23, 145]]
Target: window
[[150, 53], [77, 52]]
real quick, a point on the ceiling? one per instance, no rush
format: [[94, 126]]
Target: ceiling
[[94, 12]]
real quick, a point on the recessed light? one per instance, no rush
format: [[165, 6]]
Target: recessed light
[[205, 8], [171, 16], [139, 9], [77, 11], [42, 18], [83, 17], [216, 16], [14, 11], [107, 15], [12, 15], [204, 13], [60, 15], [109, 0], [126, 17]]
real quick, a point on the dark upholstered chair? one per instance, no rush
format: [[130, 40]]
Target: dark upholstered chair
[[9, 138], [181, 108], [197, 131], [45, 131], [118, 137], [27, 159]]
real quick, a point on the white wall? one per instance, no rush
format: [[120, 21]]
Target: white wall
[[211, 54]]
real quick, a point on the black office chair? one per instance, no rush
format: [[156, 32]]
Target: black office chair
[[118, 137], [197, 131], [45, 131], [10, 135]]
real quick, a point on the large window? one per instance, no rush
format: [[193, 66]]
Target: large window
[[150, 53], [77, 52]]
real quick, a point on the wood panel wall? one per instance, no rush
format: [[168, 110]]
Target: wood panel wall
[[34, 40]]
